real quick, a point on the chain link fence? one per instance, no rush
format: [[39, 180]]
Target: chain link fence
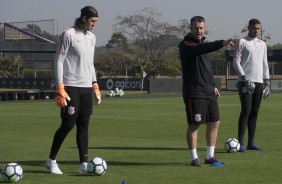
[[29, 33]]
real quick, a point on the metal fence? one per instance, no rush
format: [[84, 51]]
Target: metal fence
[[29, 31], [26, 34]]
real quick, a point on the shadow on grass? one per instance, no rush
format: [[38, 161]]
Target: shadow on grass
[[122, 148], [116, 163], [139, 148], [41, 163]]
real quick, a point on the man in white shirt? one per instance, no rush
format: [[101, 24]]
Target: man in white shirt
[[75, 83], [250, 63]]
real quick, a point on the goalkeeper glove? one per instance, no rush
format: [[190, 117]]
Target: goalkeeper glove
[[62, 97], [249, 86], [97, 97], [266, 89]]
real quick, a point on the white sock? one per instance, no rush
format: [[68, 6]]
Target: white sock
[[83, 167], [193, 154], [51, 161], [83, 164], [210, 152]]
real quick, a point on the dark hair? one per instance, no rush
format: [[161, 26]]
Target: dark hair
[[254, 21], [88, 12], [197, 19]]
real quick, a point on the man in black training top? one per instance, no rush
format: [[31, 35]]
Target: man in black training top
[[199, 91]]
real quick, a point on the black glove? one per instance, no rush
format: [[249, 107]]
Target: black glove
[[266, 89], [249, 86]]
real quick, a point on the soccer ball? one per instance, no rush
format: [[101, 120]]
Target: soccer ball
[[232, 145], [12, 173], [97, 166]]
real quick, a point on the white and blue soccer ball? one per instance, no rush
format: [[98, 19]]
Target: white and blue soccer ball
[[12, 172], [97, 166], [232, 145]]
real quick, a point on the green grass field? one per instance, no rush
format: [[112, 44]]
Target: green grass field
[[142, 138]]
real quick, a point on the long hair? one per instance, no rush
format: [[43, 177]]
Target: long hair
[[79, 22]]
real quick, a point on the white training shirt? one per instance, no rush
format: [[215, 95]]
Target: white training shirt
[[250, 59], [74, 64]]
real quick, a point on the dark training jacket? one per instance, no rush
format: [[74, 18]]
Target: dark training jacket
[[198, 80]]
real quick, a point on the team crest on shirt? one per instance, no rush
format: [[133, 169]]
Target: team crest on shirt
[[71, 110], [197, 117], [92, 42]]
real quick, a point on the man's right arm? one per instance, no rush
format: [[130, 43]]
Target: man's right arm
[[237, 59], [196, 49], [62, 50], [61, 97]]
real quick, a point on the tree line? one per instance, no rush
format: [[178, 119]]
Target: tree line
[[140, 42]]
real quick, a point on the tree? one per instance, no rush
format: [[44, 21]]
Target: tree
[[147, 33], [118, 41], [139, 64], [110, 64], [171, 67], [11, 67], [183, 27]]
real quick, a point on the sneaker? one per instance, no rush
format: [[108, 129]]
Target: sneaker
[[83, 168], [253, 147], [53, 167], [242, 148], [196, 163], [213, 160]]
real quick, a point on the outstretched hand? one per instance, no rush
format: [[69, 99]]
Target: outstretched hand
[[229, 43]]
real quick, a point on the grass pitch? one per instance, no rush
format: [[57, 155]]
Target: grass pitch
[[142, 139]]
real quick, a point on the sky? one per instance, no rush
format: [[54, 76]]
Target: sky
[[224, 18]]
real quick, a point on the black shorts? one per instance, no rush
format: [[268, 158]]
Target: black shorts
[[202, 110], [81, 102]]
